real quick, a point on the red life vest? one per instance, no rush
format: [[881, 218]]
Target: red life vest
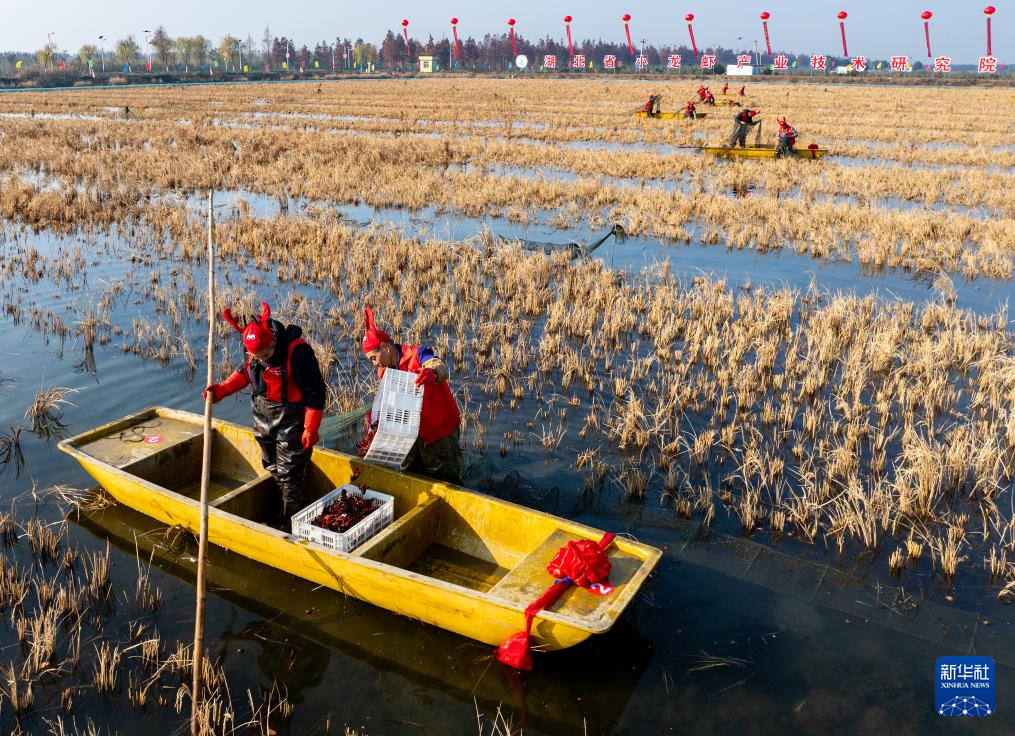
[[278, 381], [439, 416]]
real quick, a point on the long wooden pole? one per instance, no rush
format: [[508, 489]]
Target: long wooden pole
[[202, 540]]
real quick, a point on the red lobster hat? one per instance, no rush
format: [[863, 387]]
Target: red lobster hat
[[256, 334], [373, 338]]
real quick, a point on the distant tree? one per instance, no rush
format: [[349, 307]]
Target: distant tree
[[45, 56], [282, 49], [363, 54], [247, 50], [392, 48], [127, 51], [229, 49], [86, 53], [266, 46], [193, 51], [163, 45]]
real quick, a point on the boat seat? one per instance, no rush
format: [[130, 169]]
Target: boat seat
[[529, 579], [404, 539]]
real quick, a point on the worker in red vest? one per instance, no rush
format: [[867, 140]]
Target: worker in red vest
[[743, 121], [787, 138], [287, 393], [436, 452], [691, 111], [652, 106], [725, 87]]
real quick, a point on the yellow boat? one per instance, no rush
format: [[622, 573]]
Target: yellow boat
[[762, 150], [453, 558], [668, 115], [565, 697]]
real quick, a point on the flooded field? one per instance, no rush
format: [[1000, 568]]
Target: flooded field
[[794, 377]]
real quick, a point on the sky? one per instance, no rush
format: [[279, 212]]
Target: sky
[[875, 28]]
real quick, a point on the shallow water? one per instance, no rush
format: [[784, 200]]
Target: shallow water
[[805, 633]]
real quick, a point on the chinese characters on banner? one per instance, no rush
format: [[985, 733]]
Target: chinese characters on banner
[[743, 60], [819, 63], [707, 61], [943, 64], [673, 61], [781, 62], [900, 64], [609, 61], [858, 63], [641, 62], [988, 65], [550, 61], [578, 61]]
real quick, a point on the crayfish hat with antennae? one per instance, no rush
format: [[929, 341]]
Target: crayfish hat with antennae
[[373, 338], [257, 335]]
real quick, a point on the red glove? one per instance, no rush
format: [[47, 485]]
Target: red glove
[[227, 388], [311, 423], [427, 375]]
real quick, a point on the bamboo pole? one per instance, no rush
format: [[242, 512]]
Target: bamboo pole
[[202, 543]]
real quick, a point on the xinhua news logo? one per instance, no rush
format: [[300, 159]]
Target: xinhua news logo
[[965, 686]]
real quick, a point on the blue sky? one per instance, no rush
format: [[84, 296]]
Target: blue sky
[[875, 27]]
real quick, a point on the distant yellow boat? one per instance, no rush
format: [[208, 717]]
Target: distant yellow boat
[[668, 115], [454, 558], [762, 150]]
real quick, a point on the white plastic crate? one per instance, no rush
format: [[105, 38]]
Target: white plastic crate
[[356, 535], [397, 414]]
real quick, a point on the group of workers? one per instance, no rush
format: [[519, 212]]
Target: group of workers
[[288, 397], [744, 120]]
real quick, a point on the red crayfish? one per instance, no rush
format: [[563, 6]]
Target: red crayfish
[[345, 512]]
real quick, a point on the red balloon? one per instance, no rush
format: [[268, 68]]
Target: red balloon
[[405, 22], [511, 21], [842, 15], [454, 21], [989, 10], [567, 18], [627, 17], [765, 15], [926, 15], [689, 17]]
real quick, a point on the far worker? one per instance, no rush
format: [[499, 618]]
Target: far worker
[[742, 123], [701, 93], [287, 396], [436, 452], [742, 93], [709, 97], [787, 138], [725, 87], [652, 106], [690, 111]]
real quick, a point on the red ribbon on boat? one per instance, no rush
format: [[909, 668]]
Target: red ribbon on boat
[[842, 29], [511, 32], [627, 19], [926, 15], [405, 32], [454, 32], [764, 24], [567, 25], [988, 11], [690, 17], [582, 562]]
